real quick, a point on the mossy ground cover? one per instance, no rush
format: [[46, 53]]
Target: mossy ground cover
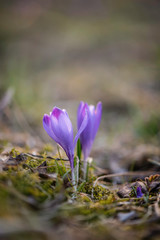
[[37, 198]]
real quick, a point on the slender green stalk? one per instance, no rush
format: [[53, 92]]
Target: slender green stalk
[[85, 169], [73, 180], [77, 171]]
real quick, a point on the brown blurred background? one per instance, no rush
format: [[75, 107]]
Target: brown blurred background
[[61, 52]]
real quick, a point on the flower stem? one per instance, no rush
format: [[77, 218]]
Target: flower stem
[[73, 180], [85, 168]]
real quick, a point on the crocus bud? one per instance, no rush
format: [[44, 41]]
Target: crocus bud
[[88, 135], [59, 128], [139, 192]]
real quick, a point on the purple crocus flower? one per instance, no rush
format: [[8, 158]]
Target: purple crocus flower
[[59, 128], [88, 135], [139, 192]]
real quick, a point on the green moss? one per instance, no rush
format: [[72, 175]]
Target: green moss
[[29, 184], [83, 198], [4, 197], [47, 186], [3, 143], [108, 199], [100, 193], [88, 211], [34, 163], [48, 148], [87, 187], [13, 153], [52, 168]]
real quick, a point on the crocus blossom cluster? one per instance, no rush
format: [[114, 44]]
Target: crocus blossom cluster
[[59, 128]]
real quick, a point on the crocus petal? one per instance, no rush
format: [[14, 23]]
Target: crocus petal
[[98, 115], [81, 114], [83, 122], [61, 124], [139, 192], [88, 135], [62, 128], [47, 127]]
